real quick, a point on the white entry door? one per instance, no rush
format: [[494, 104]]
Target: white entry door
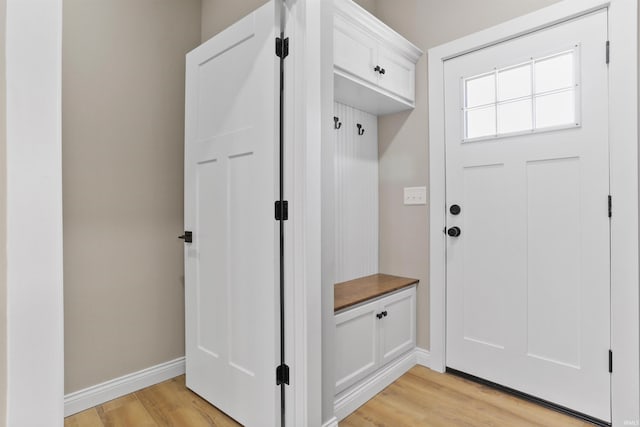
[[528, 247], [231, 178]]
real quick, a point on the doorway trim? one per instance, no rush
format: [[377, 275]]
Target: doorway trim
[[623, 137], [34, 316]]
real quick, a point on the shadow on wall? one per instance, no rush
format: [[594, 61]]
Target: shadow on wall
[[393, 123]]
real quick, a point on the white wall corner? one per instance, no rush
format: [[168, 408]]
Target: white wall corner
[[100, 393]]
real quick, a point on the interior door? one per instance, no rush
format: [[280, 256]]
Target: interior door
[[527, 212], [231, 182]]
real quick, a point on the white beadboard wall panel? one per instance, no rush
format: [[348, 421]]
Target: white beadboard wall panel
[[356, 194]]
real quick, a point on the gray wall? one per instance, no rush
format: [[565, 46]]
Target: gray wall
[[403, 137], [123, 125], [219, 14]]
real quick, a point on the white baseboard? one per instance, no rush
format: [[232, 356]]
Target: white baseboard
[[423, 357], [98, 394], [354, 397], [333, 422]]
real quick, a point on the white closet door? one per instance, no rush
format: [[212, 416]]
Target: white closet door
[[231, 170]]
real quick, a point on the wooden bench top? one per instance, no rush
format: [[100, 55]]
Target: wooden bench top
[[365, 288]]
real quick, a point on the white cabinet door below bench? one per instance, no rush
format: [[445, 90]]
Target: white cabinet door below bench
[[357, 344], [398, 328]]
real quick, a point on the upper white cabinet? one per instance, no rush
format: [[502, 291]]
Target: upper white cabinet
[[374, 67]]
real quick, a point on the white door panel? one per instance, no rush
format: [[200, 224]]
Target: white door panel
[[528, 277], [354, 51], [356, 344], [231, 290], [399, 72], [398, 328]]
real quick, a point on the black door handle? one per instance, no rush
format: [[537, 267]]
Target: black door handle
[[187, 237], [454, 231]]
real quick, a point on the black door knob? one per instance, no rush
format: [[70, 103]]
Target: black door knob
[[455, 209], [187, 237], [454, 231]]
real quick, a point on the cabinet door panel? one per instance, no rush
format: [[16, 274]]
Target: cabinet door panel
[[399, 74], [356, 344], [398, 328], [354, 52]]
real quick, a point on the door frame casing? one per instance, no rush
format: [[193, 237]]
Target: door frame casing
[[34, 299], [623, 137]]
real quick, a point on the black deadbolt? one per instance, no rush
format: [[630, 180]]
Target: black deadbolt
[[454, 209], [454, 231]]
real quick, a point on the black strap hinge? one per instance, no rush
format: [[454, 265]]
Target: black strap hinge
[[610, 202], [610, 361], [282, 375], [282, 210], [282, 47]]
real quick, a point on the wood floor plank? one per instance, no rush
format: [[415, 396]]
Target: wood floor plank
[[426, 398], [88, 418], [171, 404], [126, 411]]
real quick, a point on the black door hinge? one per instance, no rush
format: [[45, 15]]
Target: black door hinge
[[607, 52], [282, 210], [610, 361], [282, 47], [610, 205], [282, 375]]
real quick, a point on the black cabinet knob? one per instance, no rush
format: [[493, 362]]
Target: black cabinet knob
[[377, 69], [455, 210], [382, 71], [454, 231], [379, 316]]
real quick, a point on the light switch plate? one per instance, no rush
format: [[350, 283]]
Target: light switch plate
[[415, 195]]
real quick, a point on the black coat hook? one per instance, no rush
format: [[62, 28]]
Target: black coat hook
[[360, 129], [337, 124]]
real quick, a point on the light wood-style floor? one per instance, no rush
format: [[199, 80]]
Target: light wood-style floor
[[168, 404], [421, 397]]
